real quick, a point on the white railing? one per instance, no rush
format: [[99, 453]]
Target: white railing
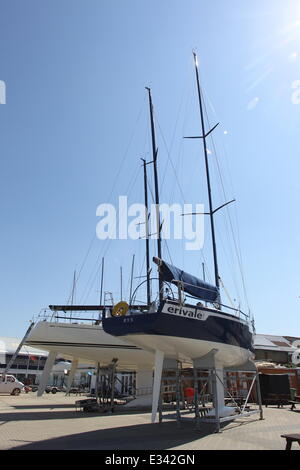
[[68, 317]]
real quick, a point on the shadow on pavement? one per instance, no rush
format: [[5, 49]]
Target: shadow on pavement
[[48, 406], [136, 437], [42, 416]]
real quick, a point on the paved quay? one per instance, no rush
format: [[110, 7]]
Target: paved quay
[[51, 422]]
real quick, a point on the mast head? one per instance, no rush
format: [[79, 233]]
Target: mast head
[[195, 59]]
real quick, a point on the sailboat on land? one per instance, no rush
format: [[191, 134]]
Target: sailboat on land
[[175, 328]]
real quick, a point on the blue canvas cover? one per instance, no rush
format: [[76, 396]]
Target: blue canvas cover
[[190, 284]]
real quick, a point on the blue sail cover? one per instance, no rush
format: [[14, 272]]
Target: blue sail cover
[[190, 284]]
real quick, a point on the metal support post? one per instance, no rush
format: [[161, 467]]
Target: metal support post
[[71, 374], [196, 401], [258, 392], [178, 416], [215, 399]]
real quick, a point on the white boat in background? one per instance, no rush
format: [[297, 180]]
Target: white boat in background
[[84, 341], [88, 342]]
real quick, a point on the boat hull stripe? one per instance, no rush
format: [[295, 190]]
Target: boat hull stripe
[[81, 345]]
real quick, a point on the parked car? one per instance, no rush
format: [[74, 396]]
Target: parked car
[[54, 389], [9, 384], [51, 389]]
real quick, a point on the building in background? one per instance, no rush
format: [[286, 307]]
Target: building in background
[[273, 356], [30, 362], [275, 349]]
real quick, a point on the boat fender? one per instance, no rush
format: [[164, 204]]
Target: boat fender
[[120, 309]]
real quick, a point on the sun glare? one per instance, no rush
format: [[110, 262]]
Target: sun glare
[[280, 47], [293, 56]]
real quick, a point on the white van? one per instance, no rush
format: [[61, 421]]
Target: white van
[[10, 385]]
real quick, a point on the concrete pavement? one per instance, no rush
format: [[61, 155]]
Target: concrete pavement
[[51, 422]]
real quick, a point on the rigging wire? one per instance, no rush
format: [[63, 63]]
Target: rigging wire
[[236, 246], [171, 162], [168, 152], [167, 247], [223, 195], [237, 249], [236, 217], [92, 278], [112, 190]]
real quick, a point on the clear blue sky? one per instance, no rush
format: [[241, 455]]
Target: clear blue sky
[[76, 108]]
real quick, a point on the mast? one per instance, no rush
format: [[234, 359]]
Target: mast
[[211, 211], [154, 153], [131, 279], [101, 283], [73, 287], [121, 282], [147, 233], [203, 271]]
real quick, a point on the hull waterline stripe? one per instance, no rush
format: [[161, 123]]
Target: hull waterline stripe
[[82, 345]]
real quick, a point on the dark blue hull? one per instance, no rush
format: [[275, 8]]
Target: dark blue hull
[[213, 329], [176, 332]]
